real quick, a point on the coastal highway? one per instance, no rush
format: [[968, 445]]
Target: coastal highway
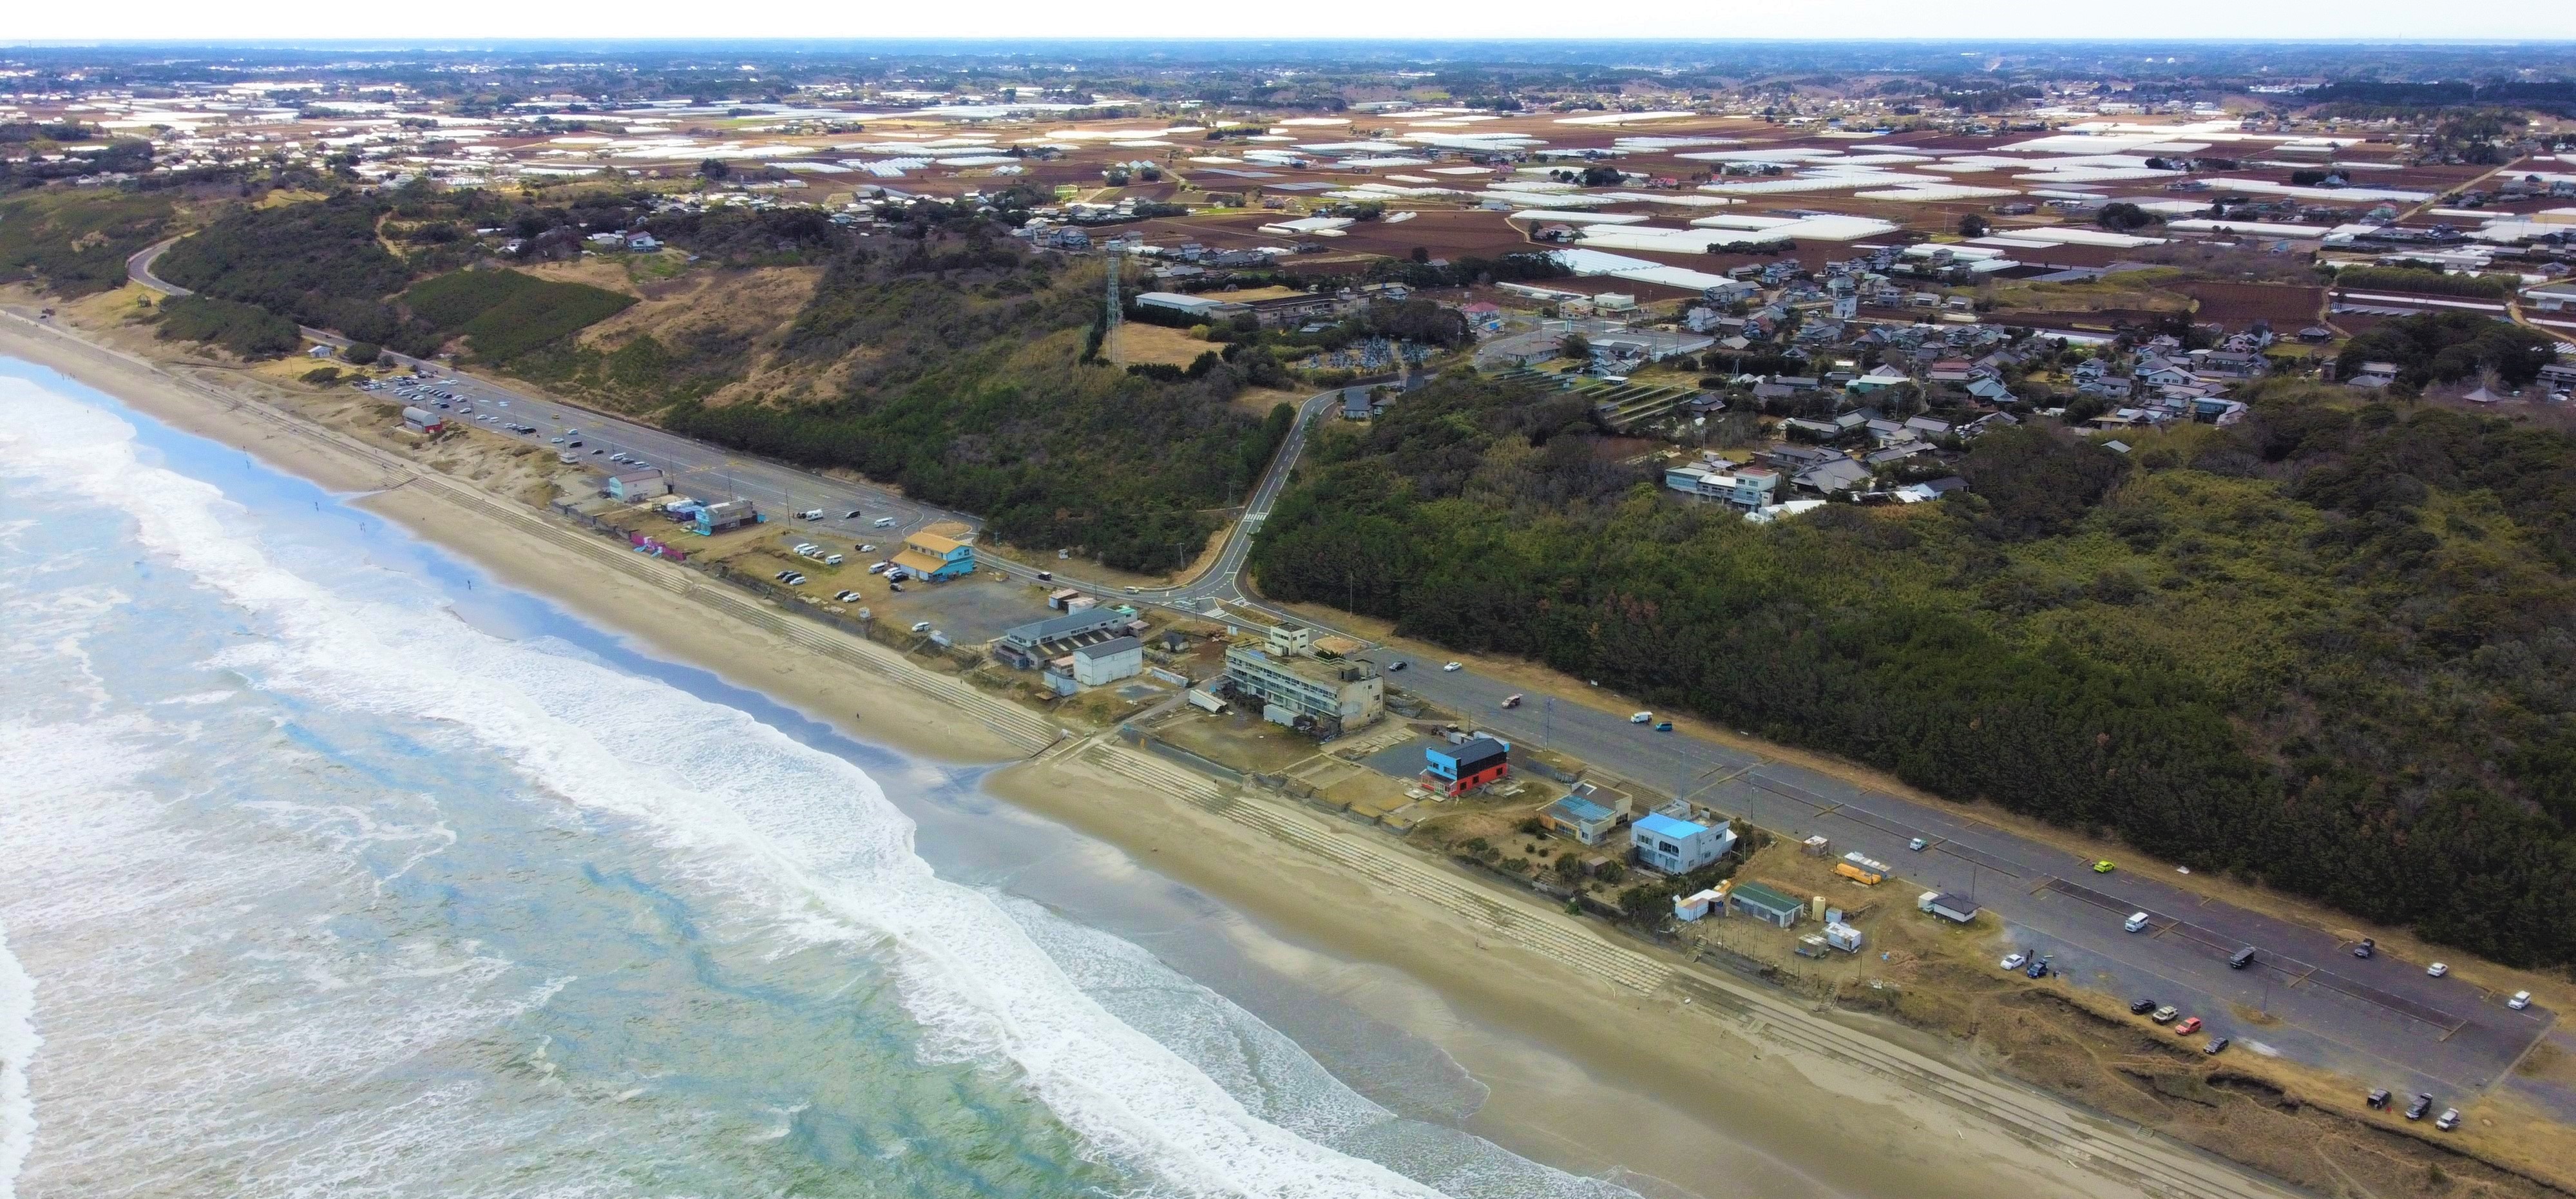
[[709, 472], [2310, 999], [2085, 1141], [2380, 1018]]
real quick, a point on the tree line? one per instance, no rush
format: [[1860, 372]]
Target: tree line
[[2400, 743]]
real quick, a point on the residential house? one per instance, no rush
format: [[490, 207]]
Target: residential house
[[1829, 477], [1746, 487], [939, 552], [1991, 420], [1916, 493], [2227, 364], [1879, 377], [1991, 390], [2212, 410], [1814, 430], [1461, 768], [1587, 813], [2161, 371], [1676, 846], [1795, 458], [2373, 376]]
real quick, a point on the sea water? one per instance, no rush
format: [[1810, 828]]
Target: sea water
[[330, 867]]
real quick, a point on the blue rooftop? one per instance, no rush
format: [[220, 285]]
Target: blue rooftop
[[1667, 827], [1577, 808]]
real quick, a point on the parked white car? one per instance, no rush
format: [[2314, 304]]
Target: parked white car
[[2520, 1000], [1453, 665], [2438, 969]]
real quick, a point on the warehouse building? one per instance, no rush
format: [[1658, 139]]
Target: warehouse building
[[1764, 904]]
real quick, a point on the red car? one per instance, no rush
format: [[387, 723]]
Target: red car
[[2189, 1026]]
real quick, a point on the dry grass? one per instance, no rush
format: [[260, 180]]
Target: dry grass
[[1139, 344]]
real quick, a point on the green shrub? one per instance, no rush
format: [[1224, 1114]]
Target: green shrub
[[247, 330], [504, 314], [75, 243]]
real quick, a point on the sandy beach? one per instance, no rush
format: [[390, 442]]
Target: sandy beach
[[1692, 1097]]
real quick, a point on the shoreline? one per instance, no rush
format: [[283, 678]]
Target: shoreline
[[1578, 1074]]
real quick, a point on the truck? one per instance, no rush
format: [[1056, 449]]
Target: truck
[[1957, 908], [1864, 870]]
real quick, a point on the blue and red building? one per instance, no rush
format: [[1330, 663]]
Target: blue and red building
[[1461, 768]]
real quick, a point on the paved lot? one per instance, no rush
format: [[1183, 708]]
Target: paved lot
[[975, 610], [1402, 760], [2381, 1018]]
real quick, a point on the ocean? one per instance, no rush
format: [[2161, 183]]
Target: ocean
[[330, 866]]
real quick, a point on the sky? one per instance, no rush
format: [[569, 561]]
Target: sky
[[174, 20]]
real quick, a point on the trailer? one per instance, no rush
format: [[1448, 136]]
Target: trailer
[[1947, 906], [1862, 869]]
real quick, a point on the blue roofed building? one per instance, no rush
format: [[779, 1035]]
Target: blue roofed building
[[1586, 813], [1677, 846]]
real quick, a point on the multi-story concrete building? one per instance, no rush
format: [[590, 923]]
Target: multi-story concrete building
[[1323, 696]]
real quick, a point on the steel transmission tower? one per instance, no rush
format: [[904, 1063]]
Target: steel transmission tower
[[1115, 250]]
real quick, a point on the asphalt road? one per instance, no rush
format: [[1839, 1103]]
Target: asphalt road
[[1223, 580], [708, 472], [2380, 1019]]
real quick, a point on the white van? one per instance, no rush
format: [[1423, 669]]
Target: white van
[[2136, 923], [885, 522], [831, 559]]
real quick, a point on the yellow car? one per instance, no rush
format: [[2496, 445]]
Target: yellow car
[[2104, 866]]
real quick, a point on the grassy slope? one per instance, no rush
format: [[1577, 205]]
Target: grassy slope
[[76, 241]]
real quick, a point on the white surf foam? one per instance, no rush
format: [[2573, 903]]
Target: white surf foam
[[804, 834], [18, 1042]]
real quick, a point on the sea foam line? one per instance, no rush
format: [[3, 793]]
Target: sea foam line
[[18, 1042], [807, 832]]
